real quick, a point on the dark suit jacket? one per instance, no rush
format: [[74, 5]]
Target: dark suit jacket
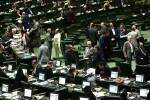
[[107, 71], [116, 36], [25, 21], [104, 45], [38, 70], [96, 58], [139, 55], [69, 58], [48, 73], [92, 35], [70, 78]]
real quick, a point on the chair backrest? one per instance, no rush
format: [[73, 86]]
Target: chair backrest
[[25, 66], [25, 85], [118, 53], [4, 80], [124, 69], [142, 69], [63, 93], [13, 63]]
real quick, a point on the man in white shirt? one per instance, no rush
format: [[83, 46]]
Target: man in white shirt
[[128, 49]]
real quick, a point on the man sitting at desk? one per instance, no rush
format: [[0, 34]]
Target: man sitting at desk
[[48, 70], [37, 68], [69, 56], [71, 76], [103, 70]]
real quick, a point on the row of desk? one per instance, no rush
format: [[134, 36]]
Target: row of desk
[[75, 90]]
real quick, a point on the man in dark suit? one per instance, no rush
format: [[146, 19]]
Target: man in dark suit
[[48, 70], [104, 45], [92, 34], [37, 68], [69, 56], [29, 11], [25, 20], [140, 54], [71, 76], [128, 49], [103, 70], [69, 17], [114, 36]]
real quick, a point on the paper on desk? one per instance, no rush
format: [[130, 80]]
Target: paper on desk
[[32, 54], [99, 94], [7, 94]]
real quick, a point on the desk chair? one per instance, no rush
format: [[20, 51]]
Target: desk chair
[[13, 63], [125, 70]]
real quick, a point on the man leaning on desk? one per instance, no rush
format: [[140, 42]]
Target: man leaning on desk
[[37, 68]]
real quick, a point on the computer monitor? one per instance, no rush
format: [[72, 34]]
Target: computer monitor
[[91, 71], [84, 98], [5, 88], [62, 81], [144, 92], [54, 96], [28, 93], [58, 63], [113, 89], [85, 83], [114, 74], [41, 76], [9, 67], [139, 78]]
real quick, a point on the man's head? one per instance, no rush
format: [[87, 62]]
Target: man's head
[[23, 13], [7, 33], [72, 71], [101, 65], [102, 24], [57, 30], [111, 25], [50, 64], [129, 38], [140, 44], [49, 30], [34, 63], [69, 47], [133, 27], [89, 44]]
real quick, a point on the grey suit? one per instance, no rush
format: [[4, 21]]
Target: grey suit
[[127, 51], [49, 42], [36, 31], [87, 54], [43, 54]]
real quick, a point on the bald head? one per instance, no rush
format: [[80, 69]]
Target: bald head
[[102, 24], [111, 24], [89, 44], [129, 38]]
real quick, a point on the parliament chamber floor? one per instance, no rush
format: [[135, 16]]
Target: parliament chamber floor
[[30, 29]]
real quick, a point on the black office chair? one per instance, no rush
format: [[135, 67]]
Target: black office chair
[[125, 70], [25, 66], [143, 69], [63, 93], [13, 63], [110, 98], [77, 94]]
